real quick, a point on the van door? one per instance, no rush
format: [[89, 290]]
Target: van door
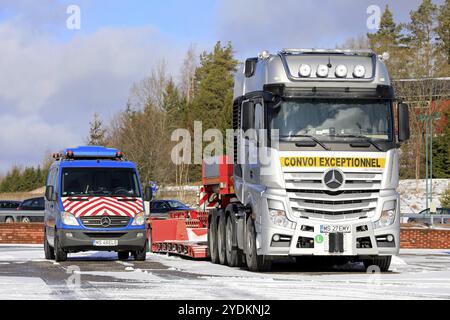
[[51, 207]]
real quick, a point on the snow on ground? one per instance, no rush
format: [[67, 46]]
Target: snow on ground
[[412, 194], [414, 274]]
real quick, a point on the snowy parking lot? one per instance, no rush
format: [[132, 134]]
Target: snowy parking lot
[[25, 274]]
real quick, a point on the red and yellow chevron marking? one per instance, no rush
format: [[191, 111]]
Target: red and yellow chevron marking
[[102, 206]]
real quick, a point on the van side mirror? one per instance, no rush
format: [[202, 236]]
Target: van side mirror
[[403, 122], [148, 194], [50, 193]]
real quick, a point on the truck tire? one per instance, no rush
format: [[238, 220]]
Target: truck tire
[[221, 240], [123, 255], [212, 241], [233, 254], [255, 262], [60, 253], [382, 262], [9, 220], [26, 220], [48, 250]]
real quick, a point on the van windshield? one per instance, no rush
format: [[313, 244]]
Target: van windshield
[[99, 182]]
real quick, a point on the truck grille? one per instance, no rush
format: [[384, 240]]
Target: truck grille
[[95, 222], [309, 197]]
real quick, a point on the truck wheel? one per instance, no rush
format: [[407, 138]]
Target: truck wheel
[[60, 254], [212, 241], [123, 255], [255, 262], [221, 240], [9, 220], [48, 250], [233, 254], [382, 262]]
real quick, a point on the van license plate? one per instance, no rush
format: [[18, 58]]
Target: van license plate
[[329, 228], [106, 243]]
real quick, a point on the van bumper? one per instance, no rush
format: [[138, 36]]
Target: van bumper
[[83, 240]]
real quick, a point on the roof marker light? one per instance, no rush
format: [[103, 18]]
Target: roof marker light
[[341, 71], [304, 70], [359, 71], [322, 71]]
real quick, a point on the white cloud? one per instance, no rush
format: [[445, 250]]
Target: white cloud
[[50, 88]]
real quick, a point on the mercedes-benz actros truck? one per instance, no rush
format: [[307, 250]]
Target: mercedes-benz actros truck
[[315, 162]]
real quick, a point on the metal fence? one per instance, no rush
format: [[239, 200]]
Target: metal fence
[[432, 218]]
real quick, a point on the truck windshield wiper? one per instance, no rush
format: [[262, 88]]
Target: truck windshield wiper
[[365, 138], [310, 137]]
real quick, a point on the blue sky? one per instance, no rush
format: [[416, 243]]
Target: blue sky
[[52, 79]]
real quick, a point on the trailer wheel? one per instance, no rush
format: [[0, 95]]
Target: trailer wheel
[[255, 262], [382, 262], [233, 254], [222, 240], [48, 250], [60, 253], [212, 241]]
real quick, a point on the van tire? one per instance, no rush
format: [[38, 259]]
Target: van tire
[[141, 255], [255, 262], [123, 255], [48, 250], [9, 220], [212, 241], [221, 240], [60, 253]]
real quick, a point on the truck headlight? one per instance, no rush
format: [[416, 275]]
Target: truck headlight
[[277, 215], [387, 214], [69, 219], [139, 219]]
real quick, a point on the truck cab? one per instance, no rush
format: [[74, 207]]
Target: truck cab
[[94, 201], [315, 161]]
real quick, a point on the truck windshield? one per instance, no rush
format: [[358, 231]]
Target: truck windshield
[[337, 118], [99, 182]]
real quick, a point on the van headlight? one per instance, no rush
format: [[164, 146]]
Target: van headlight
[[69, 219], [387, 214], [139, 219], [277, 215]]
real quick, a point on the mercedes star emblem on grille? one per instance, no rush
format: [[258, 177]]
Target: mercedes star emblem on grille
[[333, 179], [105, 222]]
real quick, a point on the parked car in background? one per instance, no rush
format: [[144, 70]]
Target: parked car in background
[[436, 220], [6, 205], [33, 204], [161, 208]]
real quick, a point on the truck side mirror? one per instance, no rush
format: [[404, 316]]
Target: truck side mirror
[[403, 122], [148, 194], [50, 193]]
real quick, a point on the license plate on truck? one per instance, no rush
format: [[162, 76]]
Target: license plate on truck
[[330, 228], [106, 243]]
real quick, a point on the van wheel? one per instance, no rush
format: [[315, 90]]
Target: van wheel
[[212, 241], [123, 255], [255, 262], [141, 255], [233, 254], [9, 220], [382, 262], [60, 253], [48, 250], [221, 240]]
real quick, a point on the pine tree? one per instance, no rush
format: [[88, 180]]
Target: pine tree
[[97, 133]]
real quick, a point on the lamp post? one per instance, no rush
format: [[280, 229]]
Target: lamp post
[[428, 119]]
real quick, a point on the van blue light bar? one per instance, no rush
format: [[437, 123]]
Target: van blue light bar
[[93, 152]]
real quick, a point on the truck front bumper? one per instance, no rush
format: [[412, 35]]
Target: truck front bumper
[[308, 239], [83, 240]]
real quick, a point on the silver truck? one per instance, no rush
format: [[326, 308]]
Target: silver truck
[[315, 161]]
